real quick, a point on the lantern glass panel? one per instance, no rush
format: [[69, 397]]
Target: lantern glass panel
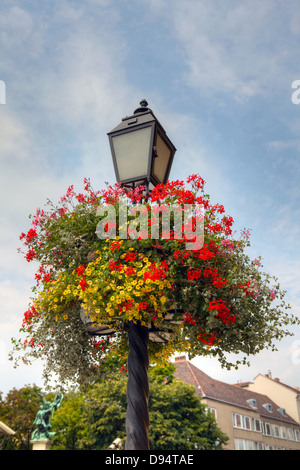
[[132, 153], [161, 161]]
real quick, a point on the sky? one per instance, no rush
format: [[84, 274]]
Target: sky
[[218, 76]]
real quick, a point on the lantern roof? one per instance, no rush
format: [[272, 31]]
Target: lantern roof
[[142, 115]]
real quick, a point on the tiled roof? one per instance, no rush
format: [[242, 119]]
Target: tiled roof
[[208, 387]]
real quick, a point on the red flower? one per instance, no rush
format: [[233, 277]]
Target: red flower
[[83, 284], [143, 305], [130, 257], [80, 270], [129, 271], [209, 340], [30, 255], [188, 319], [193, 273], [224, 312]]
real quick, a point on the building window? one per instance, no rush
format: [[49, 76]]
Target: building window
[[266, 429], [268, 407], [252, 402], [259, 446], [283, 433], [297, 435], [282, 411], [290, 434], [213, 412], [243, 444], [256, 424], [247, 423], [275, 430], [241, 421]]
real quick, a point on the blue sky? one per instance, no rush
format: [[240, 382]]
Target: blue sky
[[218, 75]]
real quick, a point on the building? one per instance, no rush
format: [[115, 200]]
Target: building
[[251, 420], [287, 397], [5, 432]]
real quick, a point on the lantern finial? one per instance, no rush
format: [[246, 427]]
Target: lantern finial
[[143, 107]]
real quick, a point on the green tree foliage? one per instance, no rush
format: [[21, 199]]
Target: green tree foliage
[[18, 410], [94, 419], [104, 413], [67, 423], [178, 418]]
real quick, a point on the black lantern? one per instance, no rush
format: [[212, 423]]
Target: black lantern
[[142, 153]]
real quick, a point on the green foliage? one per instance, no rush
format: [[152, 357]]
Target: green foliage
[[67, 423], [93, 419], [178, 419], [18, 411], [104, 413]]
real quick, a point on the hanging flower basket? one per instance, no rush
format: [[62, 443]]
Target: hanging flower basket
[[88, 286]]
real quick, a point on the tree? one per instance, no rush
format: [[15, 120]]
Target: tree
[[68, 423], [18, 411], [104, 413], [178, 418]]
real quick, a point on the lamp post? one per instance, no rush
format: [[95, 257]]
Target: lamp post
[[142, 155]]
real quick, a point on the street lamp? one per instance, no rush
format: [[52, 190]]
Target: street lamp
[[142, 155], [141, 150]]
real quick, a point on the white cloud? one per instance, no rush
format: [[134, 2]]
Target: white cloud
[[240, 49], [15, 27]]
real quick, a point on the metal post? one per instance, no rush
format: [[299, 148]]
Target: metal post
[[137, 416]]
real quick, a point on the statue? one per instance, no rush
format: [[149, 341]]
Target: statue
[[42, 419]]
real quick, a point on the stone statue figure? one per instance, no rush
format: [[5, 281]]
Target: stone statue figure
[[42, 419]]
